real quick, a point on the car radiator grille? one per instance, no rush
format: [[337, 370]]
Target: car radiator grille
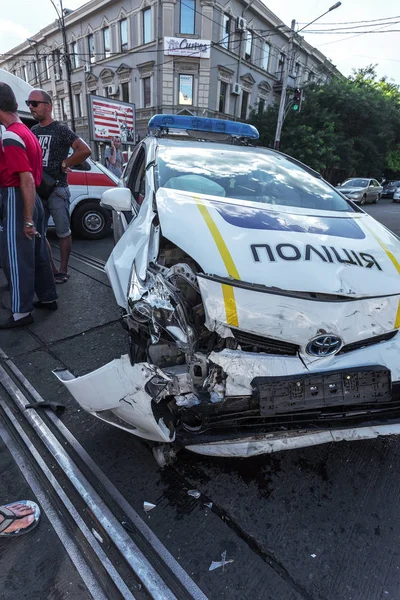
[[250, 342], [368, 342]]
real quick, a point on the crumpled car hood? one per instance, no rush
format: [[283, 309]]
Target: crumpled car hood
[[292, 249]]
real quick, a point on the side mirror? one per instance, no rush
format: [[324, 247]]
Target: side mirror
[[117, 198]]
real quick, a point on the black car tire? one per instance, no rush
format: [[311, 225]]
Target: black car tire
[[363, 200], [91, 221]]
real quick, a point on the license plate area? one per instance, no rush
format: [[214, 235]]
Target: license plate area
[[344, 387]]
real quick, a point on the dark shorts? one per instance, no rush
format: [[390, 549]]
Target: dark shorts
[[57, 207]]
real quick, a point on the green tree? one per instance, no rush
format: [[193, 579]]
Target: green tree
[[348, 124]]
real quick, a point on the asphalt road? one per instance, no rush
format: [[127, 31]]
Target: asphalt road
[[312, 524]]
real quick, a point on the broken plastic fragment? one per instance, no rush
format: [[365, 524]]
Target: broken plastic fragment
[[221, 563], [208, 504], [148, 506], [194, 493], [187, 400], [97, 535]]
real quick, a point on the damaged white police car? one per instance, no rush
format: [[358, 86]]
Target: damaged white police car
[[262, 306]]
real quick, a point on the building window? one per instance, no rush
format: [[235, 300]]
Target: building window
[[226, 31], [261, 105], [123, 30], [24, 73], [249, 45], [147, 28], [125, 92], [57, 64], [311, 76], [106, 42], [296, 70], [45, 67], [90, 41], [146, 92], [245, 105], [78, 105], [63, 109], [34, 72], [265, 58], [281, 66], [223, 94], [74, 56], [187, 16], [185, 89]]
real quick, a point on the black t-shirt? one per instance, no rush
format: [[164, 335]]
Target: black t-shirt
[[55, 140]]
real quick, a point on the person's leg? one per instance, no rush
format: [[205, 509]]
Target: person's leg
[[65, 251], [58, 204], [20, 259], [51, 259], [44, 276]]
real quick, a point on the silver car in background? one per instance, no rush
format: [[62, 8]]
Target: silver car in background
[[361, 190]]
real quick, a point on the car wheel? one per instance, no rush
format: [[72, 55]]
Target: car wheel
[[91, 221], [363, 200]]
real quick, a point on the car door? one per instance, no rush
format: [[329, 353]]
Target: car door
[[370, 191]]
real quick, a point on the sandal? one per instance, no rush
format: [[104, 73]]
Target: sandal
[[61, 277], [18, 511]]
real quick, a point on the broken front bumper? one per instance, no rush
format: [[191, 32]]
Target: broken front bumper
[[245, 420]]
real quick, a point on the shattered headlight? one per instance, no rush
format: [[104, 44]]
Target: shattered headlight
[[161, 305]]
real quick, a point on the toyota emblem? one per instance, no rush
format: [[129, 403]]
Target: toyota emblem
[[324, 345]]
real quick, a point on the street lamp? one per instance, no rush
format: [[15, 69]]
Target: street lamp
[[61, 22], [285, 75]]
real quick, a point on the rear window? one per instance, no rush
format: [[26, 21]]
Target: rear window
[[255, 175]]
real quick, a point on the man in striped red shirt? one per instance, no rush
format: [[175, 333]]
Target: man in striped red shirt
[[25, 257]]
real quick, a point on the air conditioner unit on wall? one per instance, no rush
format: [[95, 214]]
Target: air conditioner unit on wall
[[236, 89], [112, 90], [86, 69], [240, 24]]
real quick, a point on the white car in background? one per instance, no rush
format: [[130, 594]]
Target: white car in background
[[396, 195], [87, 182]]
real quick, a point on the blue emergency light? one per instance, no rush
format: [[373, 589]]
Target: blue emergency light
[[183, 122]]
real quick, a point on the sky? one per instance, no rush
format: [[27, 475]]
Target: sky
[[347, 51]]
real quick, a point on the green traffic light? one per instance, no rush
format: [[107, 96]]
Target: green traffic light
[[295, 107]]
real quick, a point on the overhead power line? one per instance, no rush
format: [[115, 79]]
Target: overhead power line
[[353, 22]]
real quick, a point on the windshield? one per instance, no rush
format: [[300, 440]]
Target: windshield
[[255, 175], [356, 183], [393, 184]]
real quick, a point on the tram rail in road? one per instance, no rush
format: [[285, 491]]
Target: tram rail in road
[[149, 570]]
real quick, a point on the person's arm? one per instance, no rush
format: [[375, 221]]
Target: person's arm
[[113, 154], [28, 192], [81, 153]]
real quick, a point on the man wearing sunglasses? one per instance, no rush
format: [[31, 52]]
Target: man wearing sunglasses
[[26, 259], [56, 139]]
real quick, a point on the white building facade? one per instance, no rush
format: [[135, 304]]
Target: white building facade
[[203, 57]]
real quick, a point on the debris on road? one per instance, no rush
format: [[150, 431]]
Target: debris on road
[[208, 504], [97, 536], [194, 493], [148, 506], [217, 564]]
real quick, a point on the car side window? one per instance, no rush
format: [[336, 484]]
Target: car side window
[[137, 178], [375, 183]]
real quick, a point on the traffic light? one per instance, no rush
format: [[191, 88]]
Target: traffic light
[[297, 98]]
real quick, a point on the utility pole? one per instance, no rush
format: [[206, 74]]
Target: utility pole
[[285, 76], [67, 59]]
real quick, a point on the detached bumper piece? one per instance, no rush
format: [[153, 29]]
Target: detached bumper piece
[[354, 397], [348, 387]]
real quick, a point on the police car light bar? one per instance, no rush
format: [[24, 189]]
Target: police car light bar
[[162, 122]]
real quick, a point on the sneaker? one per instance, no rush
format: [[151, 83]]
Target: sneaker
[[10, 323]]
